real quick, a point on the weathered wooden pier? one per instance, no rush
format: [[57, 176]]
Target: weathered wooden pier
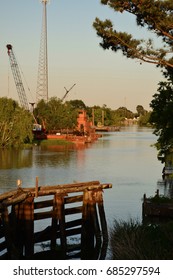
[[52, 216]]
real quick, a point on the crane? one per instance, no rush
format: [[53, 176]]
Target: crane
[[19, 86], [17, 78], [67, 91]]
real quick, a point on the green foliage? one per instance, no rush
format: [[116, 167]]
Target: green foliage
[[77, 104], [134, 241], [108, 117], [123, 112], [162, 116], [56, 115], [15, 124], [53, 142], [140, 110], [155, 15], [144, 120], [160, 199]]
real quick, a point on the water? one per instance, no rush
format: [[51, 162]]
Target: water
[[125, 159]]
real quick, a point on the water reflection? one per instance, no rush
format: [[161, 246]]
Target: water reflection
[[125, 159], [51, 157], [15, 158]]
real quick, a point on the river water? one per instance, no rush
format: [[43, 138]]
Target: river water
[[126, 159]]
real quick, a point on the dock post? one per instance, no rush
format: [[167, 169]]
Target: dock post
[[59, 218], [7, 233], [28, 205], [17, 223], [103, 222], [95, 223], [36, 187], [87, 235]]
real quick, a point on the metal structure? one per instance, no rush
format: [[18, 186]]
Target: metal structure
[[67, 91], [42, 80], [17, 78]]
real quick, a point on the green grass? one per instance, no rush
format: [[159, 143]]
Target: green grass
[[52, 142], [160, 199], [134, 241]]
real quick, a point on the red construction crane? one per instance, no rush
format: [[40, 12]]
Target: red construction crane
[[17, 78]]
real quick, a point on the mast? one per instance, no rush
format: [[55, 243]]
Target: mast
[[42, 80]]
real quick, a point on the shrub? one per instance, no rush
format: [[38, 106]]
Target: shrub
[[134, 241]]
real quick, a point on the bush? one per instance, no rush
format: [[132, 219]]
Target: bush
[[134, 241]]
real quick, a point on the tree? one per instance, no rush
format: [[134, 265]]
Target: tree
[[162, 116], [102, 115], [77, 104], [56, 115], [15, 124], [123, 112], [144, 120], [156, 16], [140, 110]]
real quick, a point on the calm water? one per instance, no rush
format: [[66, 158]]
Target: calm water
[[125, 159]]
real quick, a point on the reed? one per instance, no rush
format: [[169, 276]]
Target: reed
[[135, 241]]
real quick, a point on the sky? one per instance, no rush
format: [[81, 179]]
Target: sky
[[74, 54]]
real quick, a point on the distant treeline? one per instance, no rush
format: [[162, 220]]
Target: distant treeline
[[16, 123]]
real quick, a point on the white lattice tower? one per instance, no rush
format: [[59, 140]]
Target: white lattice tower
[[42, 79]]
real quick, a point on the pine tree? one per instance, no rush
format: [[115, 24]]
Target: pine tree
[[156, 16]]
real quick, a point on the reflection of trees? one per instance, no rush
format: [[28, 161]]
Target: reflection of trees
[[47, 156], [51, 156], [14, 158]]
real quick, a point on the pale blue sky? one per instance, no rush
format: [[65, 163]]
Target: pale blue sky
[[101, 77]]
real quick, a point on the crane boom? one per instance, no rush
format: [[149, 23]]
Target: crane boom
[[67, 91], [17, 78]]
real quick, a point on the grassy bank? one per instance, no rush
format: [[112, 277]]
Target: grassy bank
[[134, 241], [52, 142]]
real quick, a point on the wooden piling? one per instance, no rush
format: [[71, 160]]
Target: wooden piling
[[96, 226], [86, 235], [61, 221], [102, 216], [7, 233], [36, 187], [28, 209], [17, 225], [18, 215]]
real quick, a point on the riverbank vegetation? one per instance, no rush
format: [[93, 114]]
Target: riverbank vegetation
[[157, 18], [52, 142], [162, 117], [16, 124], [154, 16], [132, 240], [58, 116]]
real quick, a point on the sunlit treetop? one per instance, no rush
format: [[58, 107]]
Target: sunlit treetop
[[156, 16]]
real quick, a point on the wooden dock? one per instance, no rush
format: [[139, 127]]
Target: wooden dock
[[52, 216], [157, 208]]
